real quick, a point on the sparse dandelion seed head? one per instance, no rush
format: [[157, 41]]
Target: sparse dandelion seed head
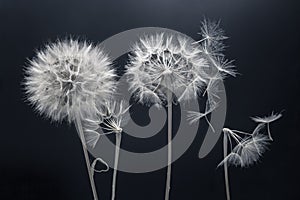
[[163, 61], [251, 149], [248, 149], [69, 78], [116, 116]]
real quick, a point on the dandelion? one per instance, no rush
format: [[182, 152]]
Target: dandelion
[[249, 146], [160, 63], [267, 120], [248, 149], [161, 68], [115, 118], [71, 80]]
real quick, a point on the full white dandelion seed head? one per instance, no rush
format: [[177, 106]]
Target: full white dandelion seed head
[[267, 119], [163, 61], [69, 78]]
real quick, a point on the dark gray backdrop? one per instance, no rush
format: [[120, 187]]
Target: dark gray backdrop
[[40, 160]]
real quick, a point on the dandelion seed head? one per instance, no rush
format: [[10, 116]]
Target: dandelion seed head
[[212, 37], [248, 151], [163, 61], [69, 78], [251, 149]]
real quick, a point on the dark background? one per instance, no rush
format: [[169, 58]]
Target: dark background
[[40, 160]]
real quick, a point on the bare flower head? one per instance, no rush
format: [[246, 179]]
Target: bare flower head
[[161, 62], [69, 78]]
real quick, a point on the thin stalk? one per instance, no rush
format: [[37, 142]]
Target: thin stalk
[[269, 132], [168, 180], [86, 156], [225, 146], [117, 153]]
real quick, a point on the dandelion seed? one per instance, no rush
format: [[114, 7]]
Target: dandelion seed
[[212, 47], [218, 67], [193, 116], [267, 120]]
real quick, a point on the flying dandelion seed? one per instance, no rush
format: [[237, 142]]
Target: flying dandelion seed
[[71, 80], [267, 120]]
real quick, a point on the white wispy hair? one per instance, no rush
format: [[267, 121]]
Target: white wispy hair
[[116, 116], [194, 116], [160, 62], [248, 149], [69, 78], [212, 34], [267, 120], [212, 46]]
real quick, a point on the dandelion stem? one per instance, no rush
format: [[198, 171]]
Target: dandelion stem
[[117, 153], [168, 180], [225, 145], [86, 155]]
